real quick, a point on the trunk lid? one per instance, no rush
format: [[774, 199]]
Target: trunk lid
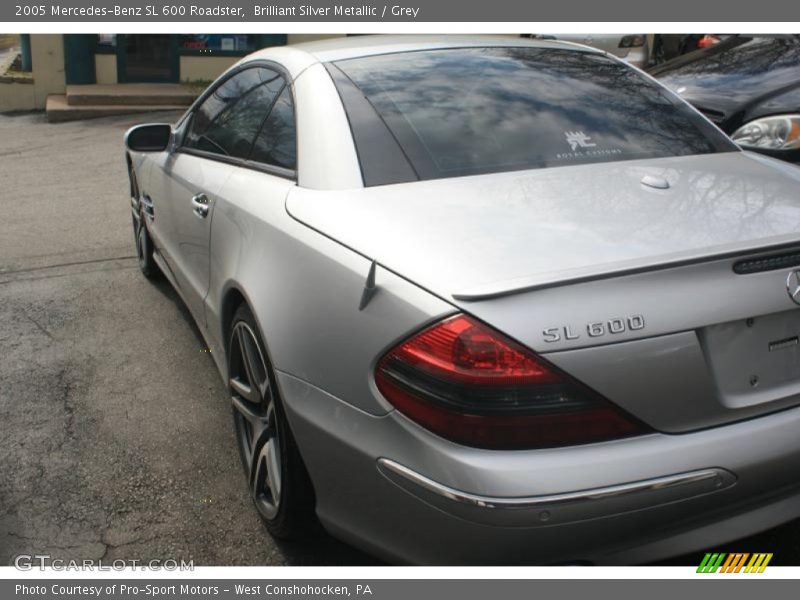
[[627, 287], [487, 235]]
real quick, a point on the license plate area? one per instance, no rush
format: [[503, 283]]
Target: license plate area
[[754, 361]]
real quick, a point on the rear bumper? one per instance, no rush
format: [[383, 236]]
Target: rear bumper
[[568, 507], [623, 502]]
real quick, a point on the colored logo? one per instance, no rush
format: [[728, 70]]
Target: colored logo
[[736, 562]]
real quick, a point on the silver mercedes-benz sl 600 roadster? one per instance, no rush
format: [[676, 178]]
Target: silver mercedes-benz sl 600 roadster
[[485, 300]]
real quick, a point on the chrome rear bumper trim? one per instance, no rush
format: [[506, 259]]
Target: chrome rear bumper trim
[[551, 509]]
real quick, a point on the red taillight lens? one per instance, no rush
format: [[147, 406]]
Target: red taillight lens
[[471, 384]]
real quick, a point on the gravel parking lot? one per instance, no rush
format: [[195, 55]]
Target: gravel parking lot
[[117, 439]]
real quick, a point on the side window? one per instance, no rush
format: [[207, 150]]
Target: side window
[[229, 119], [276, 144]]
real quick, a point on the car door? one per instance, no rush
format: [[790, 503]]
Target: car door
[[219, 138], [251, 202], [181, 182]]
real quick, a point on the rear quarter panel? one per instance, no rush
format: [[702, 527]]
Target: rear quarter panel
[[305, 290]]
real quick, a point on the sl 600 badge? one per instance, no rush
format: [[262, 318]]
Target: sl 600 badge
[[593, 330]]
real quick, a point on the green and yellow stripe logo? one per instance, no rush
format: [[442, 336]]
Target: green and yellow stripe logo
[[736, 562]]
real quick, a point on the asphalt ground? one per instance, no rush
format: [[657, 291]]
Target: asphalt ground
[[116, 439]]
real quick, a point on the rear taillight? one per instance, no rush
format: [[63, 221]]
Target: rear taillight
[[471, 384]]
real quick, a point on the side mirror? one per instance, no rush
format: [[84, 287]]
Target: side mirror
[[153, 137]]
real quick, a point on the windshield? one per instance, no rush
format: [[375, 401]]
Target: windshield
[[467, 111]]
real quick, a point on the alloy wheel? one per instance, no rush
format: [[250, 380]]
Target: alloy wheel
[[256, 419]]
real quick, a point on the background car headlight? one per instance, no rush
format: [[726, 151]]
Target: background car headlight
[[773, 133], [632, 41]]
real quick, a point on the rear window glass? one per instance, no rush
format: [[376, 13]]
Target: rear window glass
[[467, 111], [763, 58]]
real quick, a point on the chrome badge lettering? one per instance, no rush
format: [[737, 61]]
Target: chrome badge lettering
[[594, 329]]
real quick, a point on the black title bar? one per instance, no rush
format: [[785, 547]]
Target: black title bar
[[312, 11]]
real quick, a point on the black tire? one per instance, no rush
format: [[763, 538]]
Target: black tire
[[283, 496], [144, 248], [141, 237]]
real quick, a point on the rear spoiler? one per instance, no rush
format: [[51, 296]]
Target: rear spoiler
[[782, 252]]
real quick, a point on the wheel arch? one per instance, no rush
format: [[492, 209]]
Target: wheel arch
[[232, 299]]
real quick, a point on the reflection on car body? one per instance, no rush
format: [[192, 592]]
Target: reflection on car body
[[632, 48]]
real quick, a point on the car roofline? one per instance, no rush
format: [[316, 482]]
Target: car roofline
[[298, 57]]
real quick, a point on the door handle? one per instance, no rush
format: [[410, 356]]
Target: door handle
[[200, 205]]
